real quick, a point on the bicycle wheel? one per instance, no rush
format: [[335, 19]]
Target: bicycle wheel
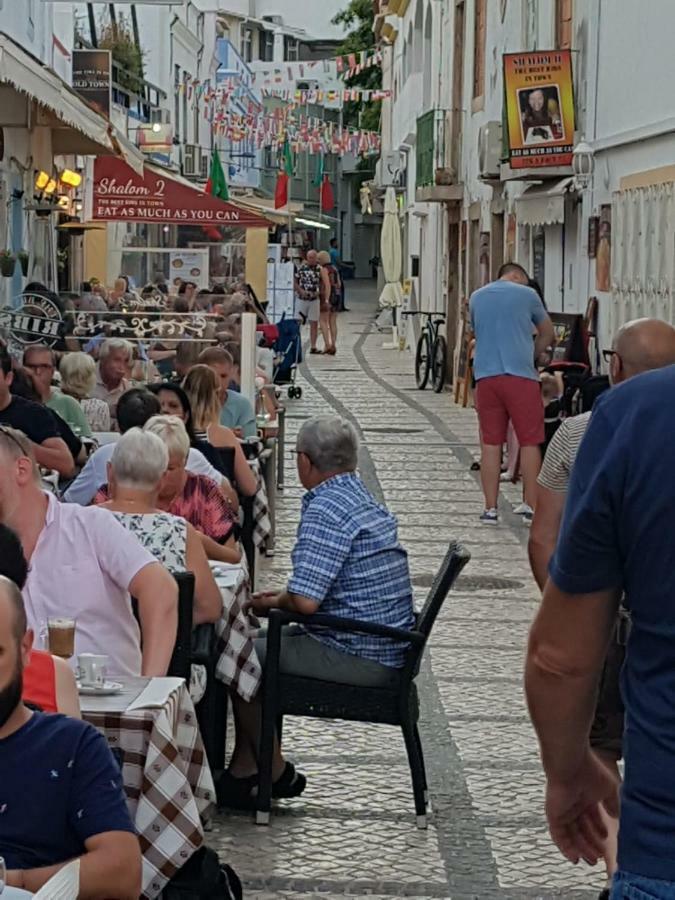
[[422, 361], [439, 362]]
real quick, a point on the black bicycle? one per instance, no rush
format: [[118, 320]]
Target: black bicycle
[[431, 355]]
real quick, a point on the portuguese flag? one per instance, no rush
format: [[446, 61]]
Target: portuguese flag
[[217, 183], [284, 177]]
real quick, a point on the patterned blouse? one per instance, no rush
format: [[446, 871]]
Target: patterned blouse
[[201, 504], [164, 535], [97, 413], [309, 281]]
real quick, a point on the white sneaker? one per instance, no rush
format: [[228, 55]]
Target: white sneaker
[[490, 517], [523, 509]]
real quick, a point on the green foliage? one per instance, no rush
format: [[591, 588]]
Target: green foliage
[[118, 38], [358, 17]]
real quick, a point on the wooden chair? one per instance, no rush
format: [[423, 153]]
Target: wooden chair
[[396, 705]]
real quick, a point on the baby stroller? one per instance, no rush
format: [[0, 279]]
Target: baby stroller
[[288, 348]]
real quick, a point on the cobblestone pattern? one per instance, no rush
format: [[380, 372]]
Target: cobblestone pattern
[[352, 834]]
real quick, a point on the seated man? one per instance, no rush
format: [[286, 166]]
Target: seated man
[[347, 562], [61, 792], [115, 359], [35, 422], [48, 682], [134, 409], [237, 412], [84, 564], [39, 360]]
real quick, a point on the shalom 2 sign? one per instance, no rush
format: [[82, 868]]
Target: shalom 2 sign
[[122, 195]]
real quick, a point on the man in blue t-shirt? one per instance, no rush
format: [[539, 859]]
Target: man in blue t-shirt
[[615, 538], [60, 788], [505, 317], [237, 412]]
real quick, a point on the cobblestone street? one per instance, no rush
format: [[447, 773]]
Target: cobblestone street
[[353, 831]]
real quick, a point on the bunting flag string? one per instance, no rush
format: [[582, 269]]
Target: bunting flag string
[[353, 64], [317, 97]]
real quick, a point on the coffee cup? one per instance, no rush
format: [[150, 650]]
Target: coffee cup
[[91, 669]]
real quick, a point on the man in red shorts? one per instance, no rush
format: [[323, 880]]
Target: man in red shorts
[[512, 329]]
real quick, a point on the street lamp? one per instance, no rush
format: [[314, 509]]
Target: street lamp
[[583, 164]]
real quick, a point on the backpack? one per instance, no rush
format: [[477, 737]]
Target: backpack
[[204, 877], [590, 390]]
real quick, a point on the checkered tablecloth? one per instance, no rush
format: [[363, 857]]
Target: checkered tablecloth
[[238, 664], [262, 524], [167, 779]]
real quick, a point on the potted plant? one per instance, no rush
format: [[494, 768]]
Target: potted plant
[[23, 258], [7, 263]]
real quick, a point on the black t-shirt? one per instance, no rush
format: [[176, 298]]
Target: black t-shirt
[[36, 421], [72, 441]]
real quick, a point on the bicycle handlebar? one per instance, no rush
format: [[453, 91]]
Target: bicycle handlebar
[[421, 312]]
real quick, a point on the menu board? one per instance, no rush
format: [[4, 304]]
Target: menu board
[[189, 265]]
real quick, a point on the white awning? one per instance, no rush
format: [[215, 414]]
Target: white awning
[[76, 127], [544, 204]]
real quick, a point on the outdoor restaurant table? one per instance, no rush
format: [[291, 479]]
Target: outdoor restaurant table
[[238, 664], [167, 779]]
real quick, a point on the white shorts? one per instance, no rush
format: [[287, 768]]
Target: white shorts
[[309, 310]]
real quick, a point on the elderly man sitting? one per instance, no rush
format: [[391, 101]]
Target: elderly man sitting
[[61, 792], [115, 359], [348, 562]]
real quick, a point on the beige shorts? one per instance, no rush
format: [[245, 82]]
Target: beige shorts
[[309, 310]]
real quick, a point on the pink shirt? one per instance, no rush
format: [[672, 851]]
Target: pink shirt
[[82, 566]]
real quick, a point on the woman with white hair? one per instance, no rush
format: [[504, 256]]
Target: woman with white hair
[[195, 498], [135, 472], [78, 379]]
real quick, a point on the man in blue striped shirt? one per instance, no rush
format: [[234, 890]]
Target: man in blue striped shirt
[[347, 562]]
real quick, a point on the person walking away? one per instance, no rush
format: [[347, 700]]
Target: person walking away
[[330, 280], [639, 346], [308, 292], [614, 540], [504, 315]]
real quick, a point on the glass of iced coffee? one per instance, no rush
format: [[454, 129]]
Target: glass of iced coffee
[[61, 636]]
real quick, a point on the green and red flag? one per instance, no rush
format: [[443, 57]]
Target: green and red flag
[[284, 177], [217, 183]]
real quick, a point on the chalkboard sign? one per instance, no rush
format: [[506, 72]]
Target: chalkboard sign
[[571, 345], [464, 369]]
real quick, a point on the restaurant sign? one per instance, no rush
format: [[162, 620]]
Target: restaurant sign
[[122, 195], [539, 97], [32, 319], [92, 78]]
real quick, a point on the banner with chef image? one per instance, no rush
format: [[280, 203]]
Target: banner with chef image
[[189, 265], [539, 96]]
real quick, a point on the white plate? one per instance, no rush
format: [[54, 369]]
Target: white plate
[[104, 690]]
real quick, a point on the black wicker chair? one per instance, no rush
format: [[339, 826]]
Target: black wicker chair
[[396, 705]]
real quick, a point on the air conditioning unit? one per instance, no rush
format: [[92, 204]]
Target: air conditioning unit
[[191, 160], [204, 166], [490, 150]]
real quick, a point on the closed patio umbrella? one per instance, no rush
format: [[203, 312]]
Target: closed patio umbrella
[[390, 250]]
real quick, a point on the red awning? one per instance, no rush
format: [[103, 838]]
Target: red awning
[[122, 195]]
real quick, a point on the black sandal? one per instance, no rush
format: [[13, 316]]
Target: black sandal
[[290, 783], [237, 793]]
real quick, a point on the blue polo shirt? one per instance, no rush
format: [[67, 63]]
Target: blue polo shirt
[[348, 559], [617, 532], [237, 412], [503, 318], [60, 786]]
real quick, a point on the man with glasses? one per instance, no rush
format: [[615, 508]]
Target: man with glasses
[[638, 347], [50, 450], [39, 360]]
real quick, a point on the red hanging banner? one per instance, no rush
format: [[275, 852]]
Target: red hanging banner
[[121, 195]]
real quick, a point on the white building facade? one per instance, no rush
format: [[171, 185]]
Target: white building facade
[[464, 211]]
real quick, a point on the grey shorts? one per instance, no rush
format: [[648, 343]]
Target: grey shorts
[[304, 655], [310, 310]]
